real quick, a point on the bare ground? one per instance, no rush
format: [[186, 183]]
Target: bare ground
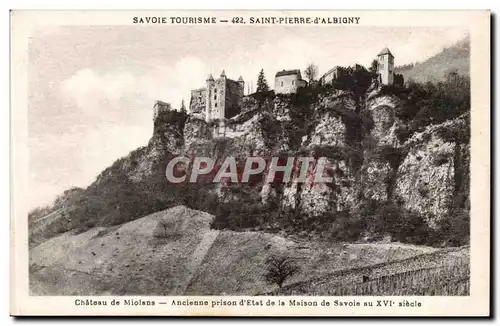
[[139, 258]]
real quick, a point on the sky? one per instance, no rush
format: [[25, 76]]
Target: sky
[[92, 88]]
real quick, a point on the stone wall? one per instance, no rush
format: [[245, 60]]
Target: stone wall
[[329, 77], [159, 108], [216, 103], [197, 105], [196, 129], [287, 84], [234, 96]]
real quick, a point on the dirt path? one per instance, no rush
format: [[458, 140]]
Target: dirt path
[[49, 216], [196, 259]]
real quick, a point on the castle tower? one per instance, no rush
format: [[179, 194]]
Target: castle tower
[[208, 97], [385, 61], [242, 85], [160, 108], [220, 97]]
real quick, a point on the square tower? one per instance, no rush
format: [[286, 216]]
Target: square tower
[[216, 97], [288, 81], [385, 63], [220, 99]]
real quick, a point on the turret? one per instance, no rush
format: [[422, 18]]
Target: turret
[[241, 82], [160, 108], [385, 61], [208, 97], [223, 74]]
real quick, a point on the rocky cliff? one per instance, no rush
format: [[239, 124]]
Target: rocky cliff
[[426, 174], [434, 172], [365, 156]]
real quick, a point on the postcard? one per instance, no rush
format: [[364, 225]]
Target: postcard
[[250, 163]]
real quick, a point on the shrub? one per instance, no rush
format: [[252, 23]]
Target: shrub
[[279, 269], [355, 79], [411, 227], [242, 211], [403, 133], [393, 155], [387, 218], [454, 229], [346, 227], [428, 103]]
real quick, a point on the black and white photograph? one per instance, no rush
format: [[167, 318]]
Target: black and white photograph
[[263, 155]]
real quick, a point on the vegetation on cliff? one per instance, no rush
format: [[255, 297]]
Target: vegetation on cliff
[[135, 186], [434, 69]]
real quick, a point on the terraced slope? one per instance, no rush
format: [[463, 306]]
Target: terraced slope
[[443, 272], [174, 252]]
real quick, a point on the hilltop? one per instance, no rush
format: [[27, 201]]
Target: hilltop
[[398, 157], [453, 58], [383, 146]]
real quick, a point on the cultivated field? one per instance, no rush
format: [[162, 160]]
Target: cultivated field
[[443, 272], [183, 256]]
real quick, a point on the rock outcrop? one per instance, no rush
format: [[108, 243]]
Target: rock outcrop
[[427, 174], [434, 170], [382, 110], [358, 137]]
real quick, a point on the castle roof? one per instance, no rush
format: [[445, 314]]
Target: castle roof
[[162, 105], [330, 71], [210, 77], [385, 51], [223, 74], [288, 72], [240, 79]]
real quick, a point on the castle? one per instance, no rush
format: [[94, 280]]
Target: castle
[[329, 76], [159, 108], [385, 69], [385, 66], [288, 81], [220, 99]]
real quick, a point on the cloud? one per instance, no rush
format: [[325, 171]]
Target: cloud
[[92, 90], [89, 87], [114, 109], [101, 147], [54, 165], [87, 120], [58, 162], [291, 52]]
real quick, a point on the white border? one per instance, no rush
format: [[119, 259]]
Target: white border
[[257, 4]]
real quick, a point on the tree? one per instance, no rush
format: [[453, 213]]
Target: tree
[[311, 72], [262, 83], [374, 67], [279, 269], [362, 79], [183, 107], [399, 80]]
